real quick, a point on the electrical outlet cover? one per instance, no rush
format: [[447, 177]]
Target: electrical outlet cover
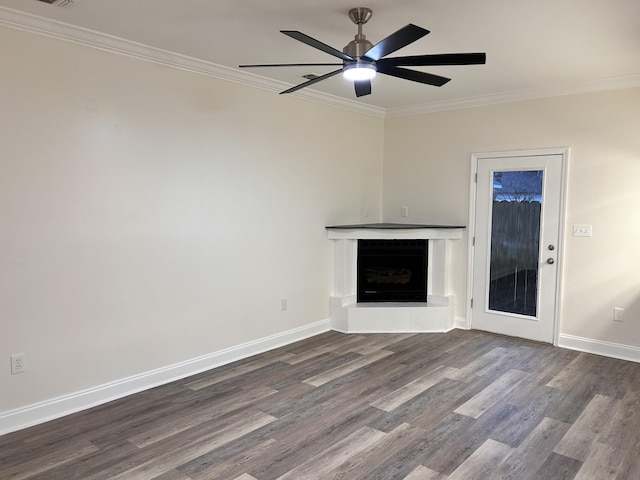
[[18, 363], [618, 314]]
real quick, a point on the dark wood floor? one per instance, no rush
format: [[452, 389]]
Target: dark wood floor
[[461, 405]]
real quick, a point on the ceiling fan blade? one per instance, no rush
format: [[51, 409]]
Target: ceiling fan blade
[[437, 59], [301, 37], [290, 65], [363, 87], [403, 37], [311, 82], [414, 76]]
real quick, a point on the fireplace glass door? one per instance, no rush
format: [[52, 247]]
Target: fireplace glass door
[[392, 271]]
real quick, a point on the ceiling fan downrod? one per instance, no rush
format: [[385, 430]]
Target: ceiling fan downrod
[[359, 45]]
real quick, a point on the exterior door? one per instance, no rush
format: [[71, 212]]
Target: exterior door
[[515, 252]]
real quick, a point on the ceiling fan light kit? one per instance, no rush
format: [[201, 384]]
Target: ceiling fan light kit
[[359, 71], [361, 60]]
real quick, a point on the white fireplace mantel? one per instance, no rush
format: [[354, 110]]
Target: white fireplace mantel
[[437, 315]]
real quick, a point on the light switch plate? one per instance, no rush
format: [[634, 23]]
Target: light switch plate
[[582, 230]]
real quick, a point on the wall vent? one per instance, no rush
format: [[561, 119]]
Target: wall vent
[[58, 3]]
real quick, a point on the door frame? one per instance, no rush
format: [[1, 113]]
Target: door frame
[[564, 153]]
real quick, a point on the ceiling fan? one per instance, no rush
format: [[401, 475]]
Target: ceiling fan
[[361, 60]]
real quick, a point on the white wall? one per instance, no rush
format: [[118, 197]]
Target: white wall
[[150, 215], [427, 163]]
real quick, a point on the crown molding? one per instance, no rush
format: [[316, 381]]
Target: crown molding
[[611, 83], [90, 38], [109, 43]]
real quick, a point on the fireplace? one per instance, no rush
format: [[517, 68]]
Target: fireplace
[[354, 315], [392, 270]]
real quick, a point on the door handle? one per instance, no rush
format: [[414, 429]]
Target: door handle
[[550, 261]]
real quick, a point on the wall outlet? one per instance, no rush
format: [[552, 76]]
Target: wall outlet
[[618, 314], [283, 304], [404, 211], [18, 364], [366, 211]]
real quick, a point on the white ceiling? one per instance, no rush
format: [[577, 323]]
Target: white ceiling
[[534, 48]]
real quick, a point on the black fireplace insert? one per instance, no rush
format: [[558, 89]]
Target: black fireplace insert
[[392, 270]]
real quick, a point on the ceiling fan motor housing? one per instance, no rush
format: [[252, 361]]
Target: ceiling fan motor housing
[[357, 47]]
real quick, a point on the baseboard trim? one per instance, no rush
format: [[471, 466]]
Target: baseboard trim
[[30, 415], [460, 323], [41, 412], [600, 347]]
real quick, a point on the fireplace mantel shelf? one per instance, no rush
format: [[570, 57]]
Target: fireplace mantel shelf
[[389, 226], [394, 231]]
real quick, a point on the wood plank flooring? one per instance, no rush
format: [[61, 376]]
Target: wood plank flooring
[[456, 406]]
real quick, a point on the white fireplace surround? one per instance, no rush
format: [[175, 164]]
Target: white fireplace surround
[[436, 315]]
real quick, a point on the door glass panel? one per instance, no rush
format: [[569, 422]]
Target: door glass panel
[[515, 241]]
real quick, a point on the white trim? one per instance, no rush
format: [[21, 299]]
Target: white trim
[[611, 83], [471, 233], [561, 243], [522, 153], [564, 153], [599, 347], [41, 412], [443, 233], [90, 38], [109, 43]]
